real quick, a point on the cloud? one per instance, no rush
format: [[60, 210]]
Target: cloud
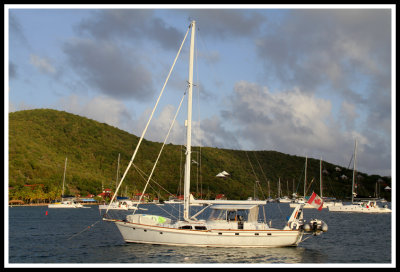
[[16, 31], [111, 70], [211, 132], [336, 48], [100, 108], [343, 54], [288, 121], [226, 23], [207, 132], [12, 70], [160, 125], [348, 115], [42, 64], [298, 123], [133, 24]]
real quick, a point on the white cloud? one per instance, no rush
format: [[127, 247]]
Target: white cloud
[[159, 126], [348, 114], [288, 120], [100, 108], [42, 64], [207, 132]]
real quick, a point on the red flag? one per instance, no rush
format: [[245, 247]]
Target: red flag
[[316, 201]]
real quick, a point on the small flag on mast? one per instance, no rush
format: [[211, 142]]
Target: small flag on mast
[[316, 201]]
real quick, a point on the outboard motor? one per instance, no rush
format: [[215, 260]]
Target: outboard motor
[[315, 226]]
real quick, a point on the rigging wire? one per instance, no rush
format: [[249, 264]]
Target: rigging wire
[[262, 192], [85, 229], [162, 147], [148, 122]]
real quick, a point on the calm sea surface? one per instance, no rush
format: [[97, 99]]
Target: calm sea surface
[[79, 236]]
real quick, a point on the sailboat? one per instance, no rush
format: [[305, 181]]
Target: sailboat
[[302, 200], [362, 206], [65, 203], [232, 223], [283, 199], [121, 204]]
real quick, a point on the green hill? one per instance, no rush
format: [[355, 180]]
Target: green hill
[[41, 139]]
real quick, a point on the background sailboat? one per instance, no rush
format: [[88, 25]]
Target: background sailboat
[[65, 203], [362, 206]]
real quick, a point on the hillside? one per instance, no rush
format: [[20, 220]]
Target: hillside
[[41, 139]]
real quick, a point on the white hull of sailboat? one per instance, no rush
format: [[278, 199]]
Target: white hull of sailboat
[[358, 208], [63, 205], [138, 233], [306, 205], [123, 205], [113, 207], [284, 200]]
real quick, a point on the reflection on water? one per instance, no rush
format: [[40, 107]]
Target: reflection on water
[[174, 254]]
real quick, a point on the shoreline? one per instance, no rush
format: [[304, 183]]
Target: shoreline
[[45, 204]]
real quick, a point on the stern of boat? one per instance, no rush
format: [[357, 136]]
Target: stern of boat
[[296, 222]]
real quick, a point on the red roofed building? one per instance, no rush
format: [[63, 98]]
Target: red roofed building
[[220, 197], [106, 193], [145, 197]]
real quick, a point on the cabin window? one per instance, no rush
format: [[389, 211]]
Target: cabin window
[[218, 215], [185, 227], [200, 227]]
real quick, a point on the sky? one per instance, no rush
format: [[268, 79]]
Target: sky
[[302, 80]]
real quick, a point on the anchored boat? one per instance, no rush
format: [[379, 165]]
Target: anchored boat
[[232, 223], [362, 206]]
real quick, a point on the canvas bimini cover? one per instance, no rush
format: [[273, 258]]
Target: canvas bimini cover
[[251, 211]]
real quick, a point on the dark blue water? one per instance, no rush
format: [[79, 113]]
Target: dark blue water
[[69, 236]]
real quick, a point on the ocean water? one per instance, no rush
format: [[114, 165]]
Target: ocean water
[[80, 236]]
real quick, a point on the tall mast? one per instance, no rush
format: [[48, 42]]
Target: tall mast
[[65, 169], [116, 180], [354, 171], [186, 207], [305, 178], [320, 177], [279, 188]]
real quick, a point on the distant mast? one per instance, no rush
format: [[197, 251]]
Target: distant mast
[[116, 180], [320, 176], [186, 195], [65, 169], [305, 178], [354, 171]]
